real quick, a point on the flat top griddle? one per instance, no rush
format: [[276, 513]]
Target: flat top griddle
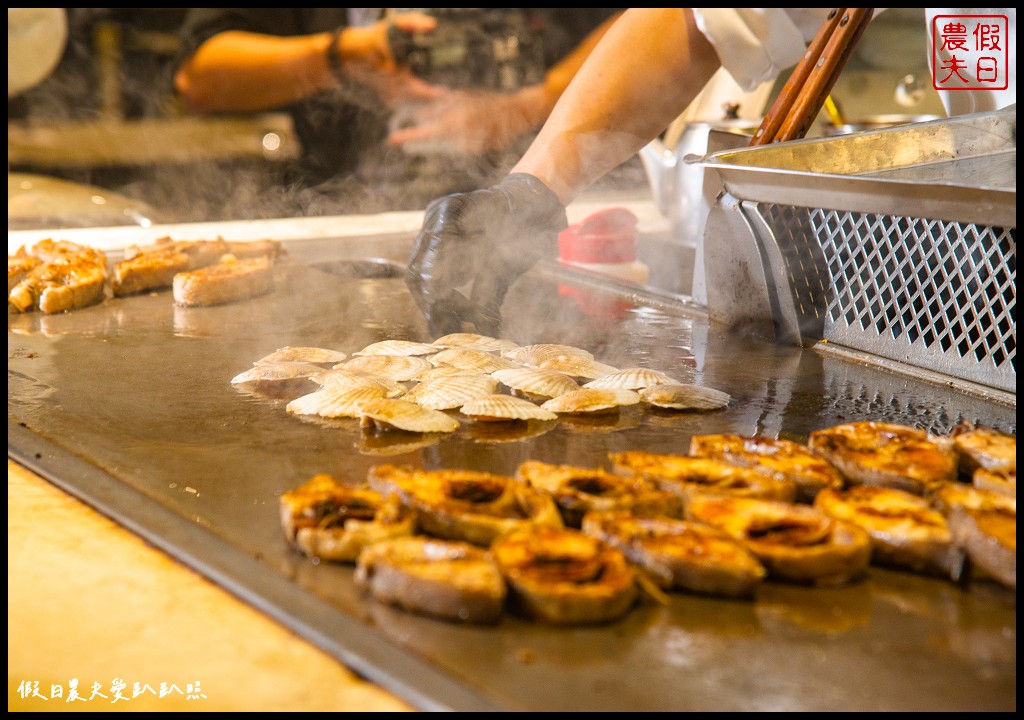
[[128, 405]]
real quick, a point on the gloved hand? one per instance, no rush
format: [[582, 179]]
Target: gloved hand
[[485, 240]]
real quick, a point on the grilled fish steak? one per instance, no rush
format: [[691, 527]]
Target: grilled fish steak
[[468, 505], [327, 519], [781, 459], [986, 448], [148, 271], [579, 490], [225, 282], [679, 554], [445, 579], [796, 543], [984, 525], [687, 476], [906, 532], [561, 576], [62, 281], [887, 455]]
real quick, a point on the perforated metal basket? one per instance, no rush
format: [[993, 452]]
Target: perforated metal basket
[[900, 244]]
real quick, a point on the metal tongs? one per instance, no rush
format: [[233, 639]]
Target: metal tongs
[[807, 88]]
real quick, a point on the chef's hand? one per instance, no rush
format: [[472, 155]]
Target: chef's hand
[[483, 240]]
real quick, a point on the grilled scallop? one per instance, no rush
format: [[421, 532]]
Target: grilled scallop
[[502, 408], [687, 476], [534, 355], [454, 391], [327, 519], [315, 355], [443, 579], [634, 378], [796, 543], [442, 371], [906, 532], [535, 384], [469, 359], [468, 505], [278, 372], [678, 554], [347, 378], [591, 400], [577, 367], [406, 348], [886, 454], [781, 459], [561, 576], [335, 402], [579, 490], [474, 341], [682, 396], [397, 367], [396, 414]]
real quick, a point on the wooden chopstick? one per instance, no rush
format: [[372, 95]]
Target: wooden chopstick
[[804, 93]]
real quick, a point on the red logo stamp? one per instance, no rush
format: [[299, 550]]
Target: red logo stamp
[[970, 52]]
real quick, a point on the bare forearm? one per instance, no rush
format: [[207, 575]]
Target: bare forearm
[[647, 68], [242, 71]]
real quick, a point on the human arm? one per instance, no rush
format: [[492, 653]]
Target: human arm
[[472, 122], [646, 69], [243, 71]]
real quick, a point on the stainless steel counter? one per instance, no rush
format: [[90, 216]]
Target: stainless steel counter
[[128, 405]]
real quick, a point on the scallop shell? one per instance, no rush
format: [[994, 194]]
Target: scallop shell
[[576, 366], [634, 378], [405, 415], [445, 393], [475, 341], [536, 384], [443, 371], [469, 359], [591, 400], [396, 367], [334, 402], [683, 396], [397, 347], [272, 372], [534, 355], [500, 407], [316, 355], [345, 378]]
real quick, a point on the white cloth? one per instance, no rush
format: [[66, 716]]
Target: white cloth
[[756, 44]]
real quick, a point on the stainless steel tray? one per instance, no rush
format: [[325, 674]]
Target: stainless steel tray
[[960, 169], [899, 243], [128, 406]]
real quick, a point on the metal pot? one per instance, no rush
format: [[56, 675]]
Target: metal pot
[[677, 178]]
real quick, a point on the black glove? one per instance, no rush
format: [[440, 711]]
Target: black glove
[[488, 238]]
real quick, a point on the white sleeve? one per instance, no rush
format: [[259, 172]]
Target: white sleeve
[[756, 44]]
